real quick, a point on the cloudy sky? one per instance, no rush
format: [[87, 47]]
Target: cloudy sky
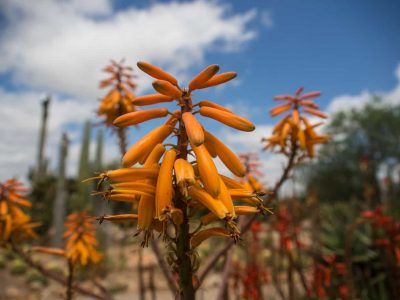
[[347, 49]]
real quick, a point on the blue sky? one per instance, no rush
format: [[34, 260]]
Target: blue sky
[[346, 49], [339, 47]]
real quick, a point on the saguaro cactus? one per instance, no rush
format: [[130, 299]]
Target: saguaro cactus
[[84, 168], [41, 161], [59, 209]]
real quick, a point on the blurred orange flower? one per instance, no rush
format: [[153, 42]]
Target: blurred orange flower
[[81, 241], [118, 100], [295, 131], [14, 222]]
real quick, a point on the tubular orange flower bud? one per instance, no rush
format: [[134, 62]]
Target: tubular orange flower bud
[[308, 103], [214, 105], [193, 129], [218, 79], [231, 183], [280, 124], [129, 174], [310, 95], [284, 132], [146, 144], [164, 184], [284, 97], [208, 218], [132, 192], [302, 139], [123, 197], [225, 198], [241, 193], [141, 186], [146, 207], [315, 112], [230, 160], [156, 72], [184, 173], [239, 210], [295, 117], [151, 99], [201, 236], [203, 77], [252, 201], [136, 117], [227, 118], [210, 147], [154, 156], [246, 210], [146, 211], [167, 89], [310, 150], [116, 218], [279, 109], [212, 204], [207, 170]]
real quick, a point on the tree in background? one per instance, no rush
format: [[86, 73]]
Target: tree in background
[[363, 140]]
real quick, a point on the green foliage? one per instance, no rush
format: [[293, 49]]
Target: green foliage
[[82, 199], [18, 267], [351, 239], [42, 196], [117, 287], [35, 276], [3, 260], [361, 140]]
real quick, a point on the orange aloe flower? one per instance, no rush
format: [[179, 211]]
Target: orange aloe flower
[[160, 186], [81, 240], [295, 131], [14, 222], [118, 100]]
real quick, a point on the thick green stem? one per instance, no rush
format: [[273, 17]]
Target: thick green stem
[[185, 268]]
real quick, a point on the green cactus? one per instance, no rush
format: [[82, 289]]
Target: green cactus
[[82, 199], [59, 207]]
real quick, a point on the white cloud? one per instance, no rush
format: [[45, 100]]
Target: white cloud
[[61, 46], [19, 128]]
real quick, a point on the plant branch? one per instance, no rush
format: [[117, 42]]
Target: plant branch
[[223, 290], [55, 276], [164, 268]]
